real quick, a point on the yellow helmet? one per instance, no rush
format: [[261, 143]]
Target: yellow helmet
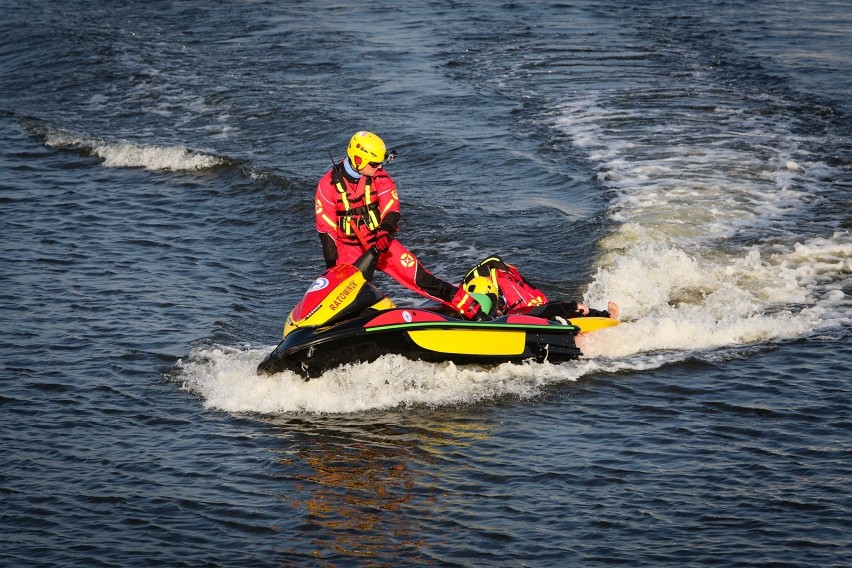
[[483, 291], [481, 285], [365, 148]]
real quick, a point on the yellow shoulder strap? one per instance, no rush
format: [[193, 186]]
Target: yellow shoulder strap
[[373, 221]]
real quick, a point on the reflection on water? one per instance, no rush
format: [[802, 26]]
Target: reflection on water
[[365, 486]]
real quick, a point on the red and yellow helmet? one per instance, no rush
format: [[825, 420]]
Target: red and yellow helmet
[[365, 148]]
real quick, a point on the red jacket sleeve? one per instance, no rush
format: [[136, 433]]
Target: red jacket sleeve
[[325, 206]]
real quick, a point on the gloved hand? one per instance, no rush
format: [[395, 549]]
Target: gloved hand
[[384, 236], [468, 307]]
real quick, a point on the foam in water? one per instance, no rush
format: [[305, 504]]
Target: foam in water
[[697, 178], [226, 379], [129, 155], [678, 198]]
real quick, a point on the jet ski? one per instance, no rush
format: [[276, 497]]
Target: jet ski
[[344, 318]]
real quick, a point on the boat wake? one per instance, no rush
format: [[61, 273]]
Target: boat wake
[[716, 240], [226, 379], [124, 154], [705, 300]]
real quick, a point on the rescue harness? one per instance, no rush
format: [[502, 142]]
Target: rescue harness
[[348, 217]]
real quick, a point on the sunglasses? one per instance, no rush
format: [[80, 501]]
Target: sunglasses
[[391, 156]]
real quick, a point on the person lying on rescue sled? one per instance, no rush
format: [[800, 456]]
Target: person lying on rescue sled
[[357, 206], [511, 293]]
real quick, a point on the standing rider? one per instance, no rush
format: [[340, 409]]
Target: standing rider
[[357, 206]]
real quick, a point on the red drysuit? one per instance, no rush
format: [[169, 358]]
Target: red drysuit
[[347, 207]]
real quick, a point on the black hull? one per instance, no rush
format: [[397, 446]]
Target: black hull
[[310, 352]]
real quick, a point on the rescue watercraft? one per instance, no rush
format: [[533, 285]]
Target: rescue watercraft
[[344, 318]]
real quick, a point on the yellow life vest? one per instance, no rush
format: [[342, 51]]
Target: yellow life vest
[[366, 214]]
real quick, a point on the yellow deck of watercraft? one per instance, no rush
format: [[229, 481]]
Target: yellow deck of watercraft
[[587, 325], [479, 341]]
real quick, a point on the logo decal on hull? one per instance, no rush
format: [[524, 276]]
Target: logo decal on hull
[[318, 284]]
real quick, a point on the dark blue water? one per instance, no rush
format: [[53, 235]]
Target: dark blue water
[[690, 161]]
